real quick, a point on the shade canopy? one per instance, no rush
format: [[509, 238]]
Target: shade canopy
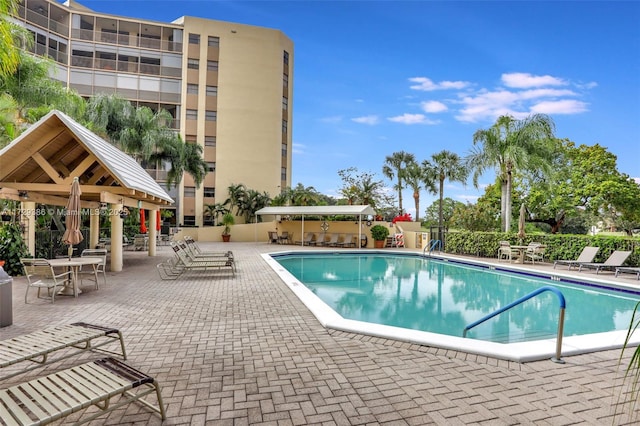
[[354, 210]]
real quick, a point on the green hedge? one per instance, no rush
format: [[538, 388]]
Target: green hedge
[[559, 246]]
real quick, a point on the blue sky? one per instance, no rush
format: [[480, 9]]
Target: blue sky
[[375, 77]]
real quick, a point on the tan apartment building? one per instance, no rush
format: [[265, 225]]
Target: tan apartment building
[[229, 87]]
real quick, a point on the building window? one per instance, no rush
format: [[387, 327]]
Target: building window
[[194, 38], [286, 58], [213, 41], [193, 64], [284, 149], [192, 114], [211, 115], [285, 81], [211, 166], [209, 192], [283, 174], [189, 221], [210, 141], [285, 103], [189, 191], [284, 126], [191, 138], [212, 65], [192, 89], [212, 90]]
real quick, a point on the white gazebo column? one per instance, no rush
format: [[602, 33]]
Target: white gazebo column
[[116, 238], [29, 214], [94, 227], [153, 233]]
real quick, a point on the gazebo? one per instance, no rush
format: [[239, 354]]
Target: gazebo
[[39, 166]]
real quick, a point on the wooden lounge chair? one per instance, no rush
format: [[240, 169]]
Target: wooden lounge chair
[[65, 340], [40, 274], [616, 260], [586, 256], [46, 399], [628, 270]]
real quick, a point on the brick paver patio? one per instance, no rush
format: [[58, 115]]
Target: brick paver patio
[[244, 350]]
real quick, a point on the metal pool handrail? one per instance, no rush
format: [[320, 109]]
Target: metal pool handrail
[[433, 246], [563, 305]]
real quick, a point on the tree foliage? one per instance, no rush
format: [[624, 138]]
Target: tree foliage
[[394, 166], [363, 188]]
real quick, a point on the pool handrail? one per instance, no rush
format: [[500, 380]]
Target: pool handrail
[[433, 246], [534, 293]]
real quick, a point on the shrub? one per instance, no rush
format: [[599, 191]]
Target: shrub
[[379, 232]]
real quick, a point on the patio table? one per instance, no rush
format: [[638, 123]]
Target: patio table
[[72, 289]]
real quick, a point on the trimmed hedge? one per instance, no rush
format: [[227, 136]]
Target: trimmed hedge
[[559, 246]]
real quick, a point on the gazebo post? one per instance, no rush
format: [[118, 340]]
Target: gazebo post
[[116, 238], [94, 228]]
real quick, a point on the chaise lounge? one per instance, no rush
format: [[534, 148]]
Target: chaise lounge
[[616, 260], [586, 256]]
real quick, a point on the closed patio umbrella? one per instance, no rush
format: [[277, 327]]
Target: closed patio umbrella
[[157, 220], [143, 227], [521, 221], [72, 234]]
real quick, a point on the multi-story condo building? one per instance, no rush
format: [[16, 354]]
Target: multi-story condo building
[[229, 87]]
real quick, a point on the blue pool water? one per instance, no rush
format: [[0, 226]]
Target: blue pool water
[[412, 292]]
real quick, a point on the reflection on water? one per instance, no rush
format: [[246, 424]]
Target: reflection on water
[[440, 297]]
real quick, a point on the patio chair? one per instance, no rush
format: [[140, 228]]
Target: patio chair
[[629, 270], [273, 237], [64, 340], [333, 240], [308, 238], [534, 252], [320, 241], [47, 399], [348, 241], [586, 256], [505, 251], [616, 260], [92, 274], [40, 274]]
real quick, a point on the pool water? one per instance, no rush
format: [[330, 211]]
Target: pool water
[[441, 297]]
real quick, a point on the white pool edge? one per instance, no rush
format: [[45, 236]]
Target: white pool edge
[[518, 352]]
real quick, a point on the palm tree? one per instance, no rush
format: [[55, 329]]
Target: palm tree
[[236, 194], [394, 165], [445, 165], [304, 196], [510, 145], [9, 50], [415, 177], [215, 211]]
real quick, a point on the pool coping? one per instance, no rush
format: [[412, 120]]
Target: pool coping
[[518, 352]]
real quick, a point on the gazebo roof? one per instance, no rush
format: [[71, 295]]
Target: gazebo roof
[[41, 163], [355, 210]]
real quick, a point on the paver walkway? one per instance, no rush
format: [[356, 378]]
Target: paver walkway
[[244, 350]]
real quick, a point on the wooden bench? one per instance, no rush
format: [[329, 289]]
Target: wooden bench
[[69, 339], [50, 398]]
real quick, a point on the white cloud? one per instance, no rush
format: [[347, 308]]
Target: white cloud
[[368, 119], [522, 80], [427, 85], [433, 106], [566, 106], [412, 119], [333, 119], [298, 148]]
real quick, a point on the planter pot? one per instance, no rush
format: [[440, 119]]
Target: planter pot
[[379, 243], [226, 238]]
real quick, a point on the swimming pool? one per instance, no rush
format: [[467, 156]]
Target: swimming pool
[[429, 301]]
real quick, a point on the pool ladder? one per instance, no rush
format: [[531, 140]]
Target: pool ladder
[[435, 243], [563, 305]]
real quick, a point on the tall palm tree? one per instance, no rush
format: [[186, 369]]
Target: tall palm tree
[[415, 176], [446, 165], [305, 196], [510, 145], [215, 211], [236, 192], [393, 167]]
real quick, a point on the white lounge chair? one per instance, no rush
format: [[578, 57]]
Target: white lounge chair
[[47, 399], [586, 256], [616, 260]]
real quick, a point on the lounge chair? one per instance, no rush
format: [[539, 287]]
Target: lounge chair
[[47, 399], [616, 260], [348, 241], [333, 240], [628, 270], [586, 256], [65, 340], [182, 263], [196, 253], [40, 274], [308, 239], [320, 241]]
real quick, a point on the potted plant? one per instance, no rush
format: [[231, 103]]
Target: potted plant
[[227, 220], [379, 234]]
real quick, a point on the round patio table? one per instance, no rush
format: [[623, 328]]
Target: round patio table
[[71, 288]]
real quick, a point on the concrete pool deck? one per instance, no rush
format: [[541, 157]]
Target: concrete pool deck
[[245, 350]]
